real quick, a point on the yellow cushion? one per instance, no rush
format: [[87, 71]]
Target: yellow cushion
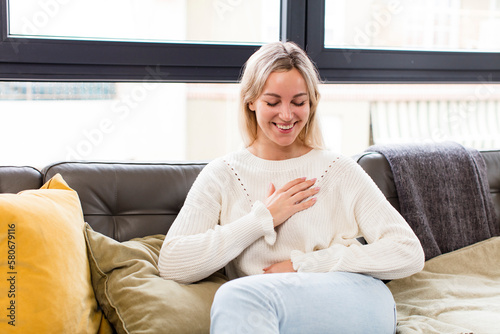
[[45, 282]]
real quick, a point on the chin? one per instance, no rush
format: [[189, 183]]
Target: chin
[[284, 143]]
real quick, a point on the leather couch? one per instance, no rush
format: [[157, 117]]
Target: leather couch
[[129, 200], [378, 168], [458, 291], [119, 200]]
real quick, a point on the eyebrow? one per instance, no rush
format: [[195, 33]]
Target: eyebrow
[[278, 96]]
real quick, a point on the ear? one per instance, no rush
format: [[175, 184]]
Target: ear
[[251, 106]]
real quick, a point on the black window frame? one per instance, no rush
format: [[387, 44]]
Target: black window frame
[[60, 59], [302, 21], [394, 66]]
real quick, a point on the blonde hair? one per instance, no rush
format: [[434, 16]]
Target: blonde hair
[[278, 57]]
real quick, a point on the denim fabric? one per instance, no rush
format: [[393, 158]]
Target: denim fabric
[[305, 303]]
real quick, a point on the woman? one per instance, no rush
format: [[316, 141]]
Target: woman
[[286, 207]]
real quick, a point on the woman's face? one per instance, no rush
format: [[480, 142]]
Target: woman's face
[[282, 110]]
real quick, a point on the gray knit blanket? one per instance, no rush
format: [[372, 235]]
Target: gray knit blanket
[[443, 194]]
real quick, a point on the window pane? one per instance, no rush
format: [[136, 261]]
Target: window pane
[[445, 25], [215, 21], [402, 113], [179, 121], [116, 121]]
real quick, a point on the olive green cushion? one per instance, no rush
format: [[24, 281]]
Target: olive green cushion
[[135, 299]]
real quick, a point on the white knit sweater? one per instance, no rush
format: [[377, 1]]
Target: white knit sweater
[[224, 222]]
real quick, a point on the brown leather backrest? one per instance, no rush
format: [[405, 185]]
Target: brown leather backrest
[[379, 170], [14, 179], [128, 200], [492, 159]]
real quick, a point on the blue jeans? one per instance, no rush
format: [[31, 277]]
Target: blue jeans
[[304, 303]]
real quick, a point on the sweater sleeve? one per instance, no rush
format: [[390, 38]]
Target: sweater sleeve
[[196, 245], [392, 250]]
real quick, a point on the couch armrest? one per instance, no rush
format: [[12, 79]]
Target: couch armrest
[[14, 179]]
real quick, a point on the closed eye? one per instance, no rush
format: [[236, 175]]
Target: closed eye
[[272, 104], [299, 104]]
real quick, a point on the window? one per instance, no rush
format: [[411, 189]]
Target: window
[[141, 121], [404, 40], [428, 25], [179, 121], [175, 40], [131, 90], [159, 83], [178, 21], [468, 114], [208, 41]]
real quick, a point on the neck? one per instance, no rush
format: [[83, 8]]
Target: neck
[[267, 152]]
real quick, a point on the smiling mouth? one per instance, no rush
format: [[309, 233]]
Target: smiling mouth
[[284, 126]]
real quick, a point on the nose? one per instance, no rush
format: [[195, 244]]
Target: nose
[[286, 113]]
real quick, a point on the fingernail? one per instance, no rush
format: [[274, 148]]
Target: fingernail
[[317, 188], [314, 180]]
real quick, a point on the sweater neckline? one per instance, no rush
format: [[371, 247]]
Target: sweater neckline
[[277, 165]]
